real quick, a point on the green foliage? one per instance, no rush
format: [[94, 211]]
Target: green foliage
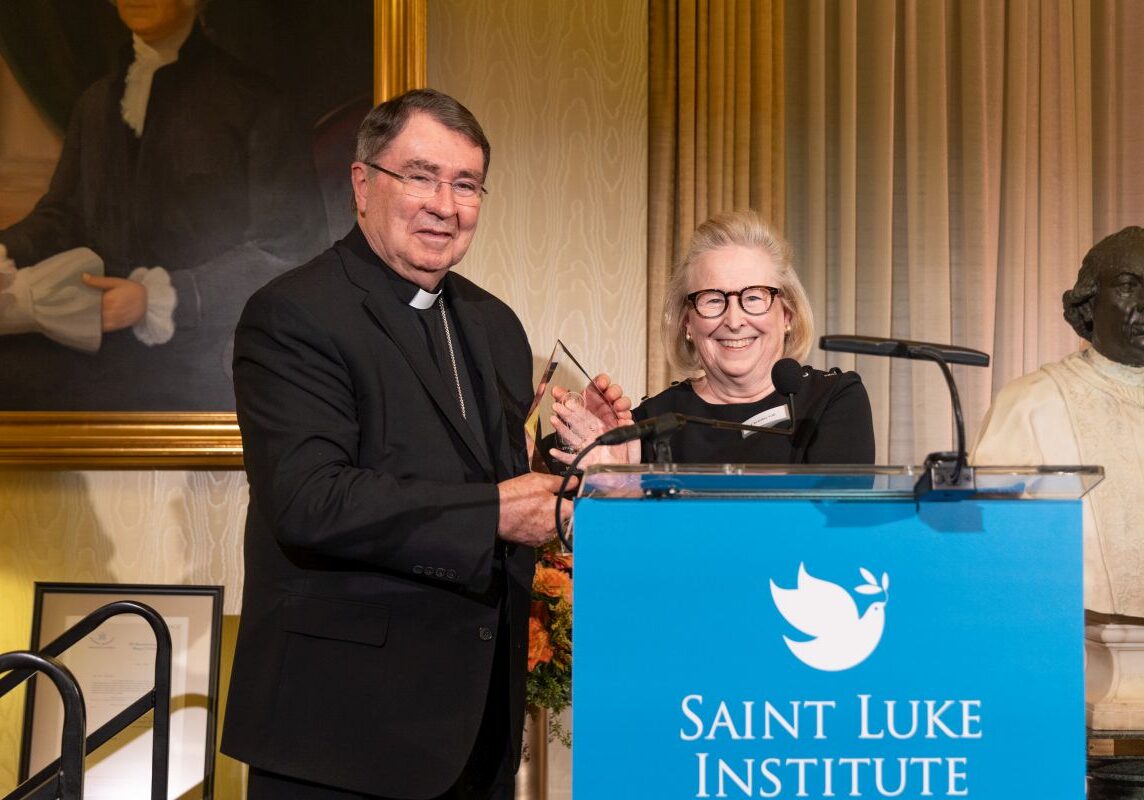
[[550, 641]]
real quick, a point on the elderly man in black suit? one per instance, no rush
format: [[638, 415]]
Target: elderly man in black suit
[[389, 541]]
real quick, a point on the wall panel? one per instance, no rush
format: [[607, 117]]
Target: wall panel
[[561, 91], [133, 526]]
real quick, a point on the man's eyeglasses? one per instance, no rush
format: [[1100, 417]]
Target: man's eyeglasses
[[754, 300], [465, 192]]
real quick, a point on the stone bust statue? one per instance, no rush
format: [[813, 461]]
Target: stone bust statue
[[1088, 408], [1106, 306]]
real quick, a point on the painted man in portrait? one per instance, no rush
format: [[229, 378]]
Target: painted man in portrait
[[185, 182]]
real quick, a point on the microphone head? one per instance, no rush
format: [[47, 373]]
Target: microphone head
[[786, 375]]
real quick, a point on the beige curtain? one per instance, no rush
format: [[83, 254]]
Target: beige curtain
[[948, 163], [1118, 114], [715, 139]]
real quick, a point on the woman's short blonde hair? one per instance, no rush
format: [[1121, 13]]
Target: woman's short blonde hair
[[744, 229]]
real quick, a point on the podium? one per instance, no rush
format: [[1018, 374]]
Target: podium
[[784, 632]]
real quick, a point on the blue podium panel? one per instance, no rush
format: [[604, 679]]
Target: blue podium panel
[[828, 648]]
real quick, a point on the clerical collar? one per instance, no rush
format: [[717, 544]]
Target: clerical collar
[[424, 300], [406, 291]]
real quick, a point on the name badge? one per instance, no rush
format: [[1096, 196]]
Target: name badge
[[767, 419]]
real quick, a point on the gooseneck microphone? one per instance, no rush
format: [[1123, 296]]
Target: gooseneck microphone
[[786, 377], [904, 348], [943, 355], [663, 425]]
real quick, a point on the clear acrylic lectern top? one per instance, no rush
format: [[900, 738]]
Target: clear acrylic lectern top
[[826, 482]]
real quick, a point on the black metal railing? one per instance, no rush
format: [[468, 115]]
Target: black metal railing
[[63, 778], [67, 782]]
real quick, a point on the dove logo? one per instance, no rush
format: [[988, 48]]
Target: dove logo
[[826, 612]]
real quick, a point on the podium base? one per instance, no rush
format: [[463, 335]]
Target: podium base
[[1114, 676]]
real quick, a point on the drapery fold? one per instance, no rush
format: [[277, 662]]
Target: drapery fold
[[715, 132], [947, 165]]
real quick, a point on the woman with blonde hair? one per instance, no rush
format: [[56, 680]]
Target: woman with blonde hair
[[735, 307]]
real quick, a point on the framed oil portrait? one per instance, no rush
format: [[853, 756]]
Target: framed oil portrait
[[197, 162], [115, 666]]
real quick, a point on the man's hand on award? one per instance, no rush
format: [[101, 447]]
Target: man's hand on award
[[578, 418], [528, 508]]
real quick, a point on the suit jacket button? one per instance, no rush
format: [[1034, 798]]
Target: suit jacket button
[[440, 573], [451, 574], [486, 634], [418, 569]]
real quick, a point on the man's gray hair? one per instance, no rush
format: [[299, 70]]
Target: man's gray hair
[[386, 121]]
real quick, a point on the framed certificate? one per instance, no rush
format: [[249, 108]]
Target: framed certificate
[[115, 665]]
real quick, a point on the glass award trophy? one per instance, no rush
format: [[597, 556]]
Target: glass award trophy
[[581, 427]]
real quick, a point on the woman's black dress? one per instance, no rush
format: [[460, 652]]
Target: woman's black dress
[[832, 411]]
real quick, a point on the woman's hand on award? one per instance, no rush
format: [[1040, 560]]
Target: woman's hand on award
[[578, 418], [575, 424]]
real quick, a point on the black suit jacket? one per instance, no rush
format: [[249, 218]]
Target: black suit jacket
[[374, 578]]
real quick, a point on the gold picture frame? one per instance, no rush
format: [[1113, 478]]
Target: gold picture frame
[[194, 440]]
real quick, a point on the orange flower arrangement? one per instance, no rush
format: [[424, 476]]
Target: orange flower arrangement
[[554, 581], [550, 638], [539, 642]]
